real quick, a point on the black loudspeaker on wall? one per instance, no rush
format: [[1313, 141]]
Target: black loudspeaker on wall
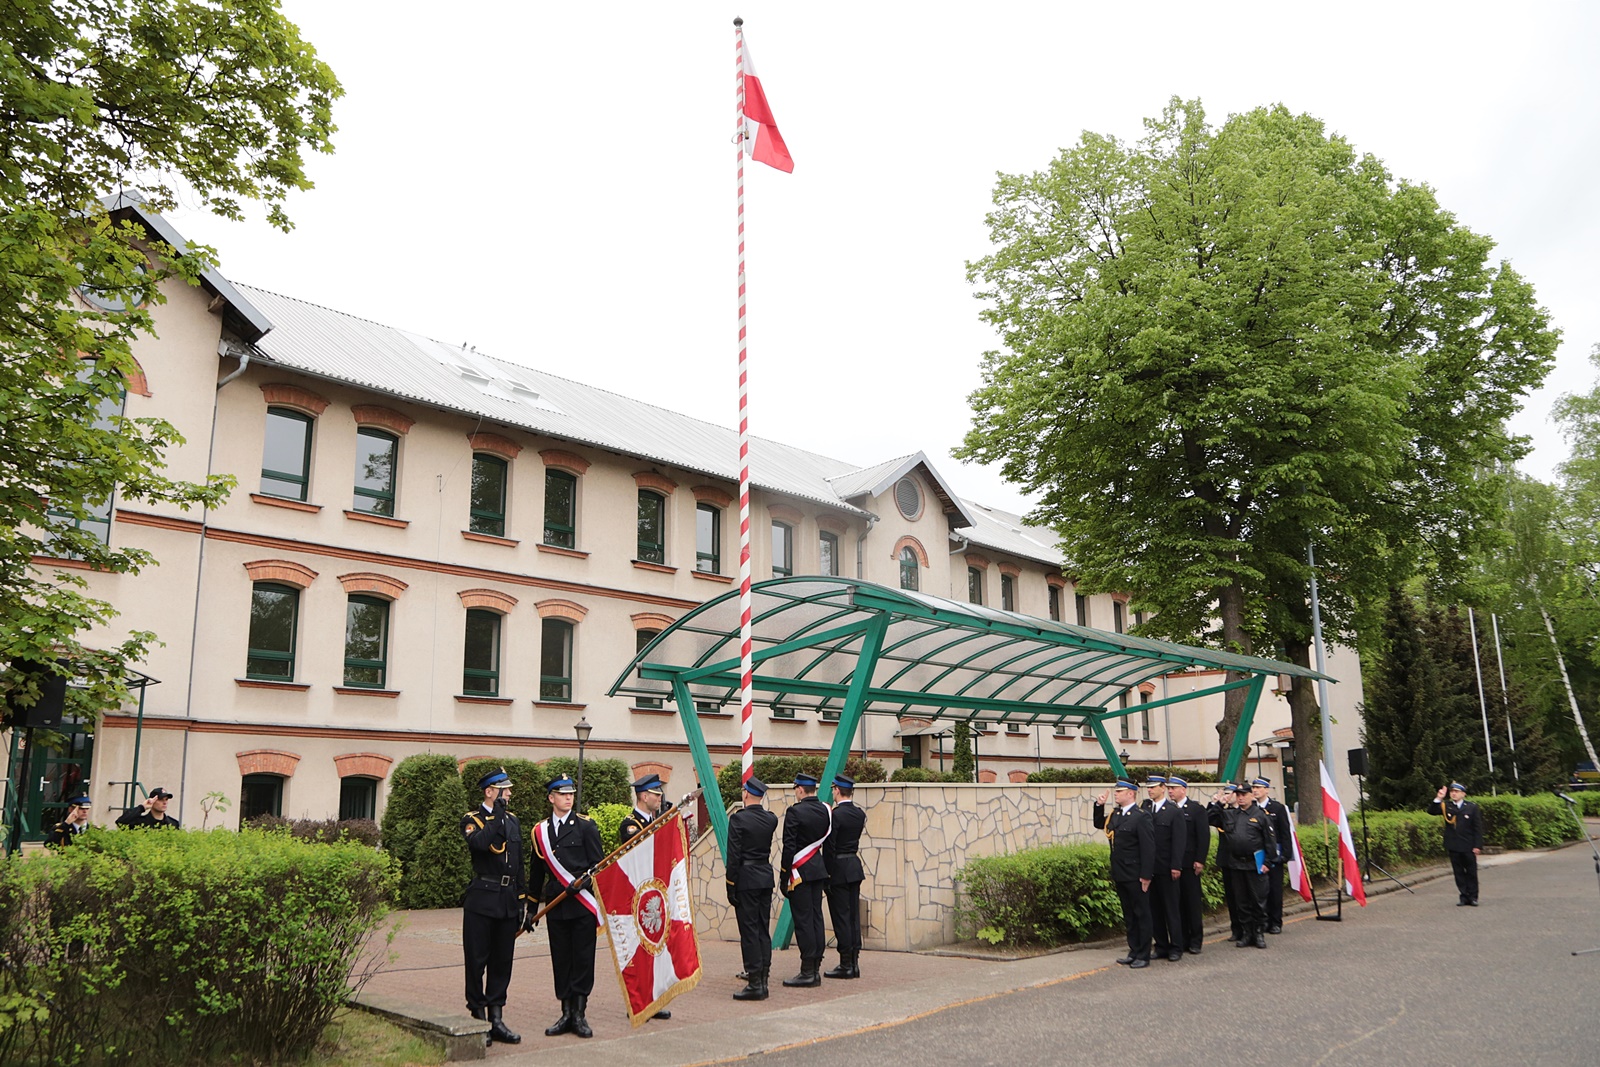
[[1358, 761], [47, 711]]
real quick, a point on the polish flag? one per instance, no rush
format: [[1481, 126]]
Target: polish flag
[[1334, 812], [1299, 877], [644, 896], [762, 141]]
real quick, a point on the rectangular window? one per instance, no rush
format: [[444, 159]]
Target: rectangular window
[[273, 612], [782, 550], [1016, 728], [375, 465], [831, 714], [1088, 730], [642, 638], [974, 585], [286, 456], [1144, 716], [1138, 618], [366, 642], [1008, 592], [1082, 605], [652, 527], [828, 554], [488, 509], [1061, 731], [1055, 603], [910, 578], [358, 798], [708, 538], [560, 509], [260, 794], [1127, 725], [480, 674], [782, 711], [1119, 616], [555, 662]]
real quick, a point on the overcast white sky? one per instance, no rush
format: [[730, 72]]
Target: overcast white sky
[[554, 183]]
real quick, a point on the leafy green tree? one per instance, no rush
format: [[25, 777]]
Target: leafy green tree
[[216, 99], [1221, 344], [443, 865]]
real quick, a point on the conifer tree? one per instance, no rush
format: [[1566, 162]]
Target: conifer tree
[[963, 768], [1403, 730]]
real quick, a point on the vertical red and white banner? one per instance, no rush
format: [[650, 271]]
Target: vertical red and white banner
[[756, 129], [1334, 812], [1299, 877], [649, 923]]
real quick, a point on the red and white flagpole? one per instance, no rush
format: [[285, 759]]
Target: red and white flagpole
[[746, 666]]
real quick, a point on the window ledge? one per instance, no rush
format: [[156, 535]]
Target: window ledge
[[258, 683], [1149, 741], [358, 691], [377, 520], [559, 705], [784, 718], [489, 539], [284, 502], [654, 711], [63, 561], [499, 702], [659, 568], [557, 550], [709, 577]]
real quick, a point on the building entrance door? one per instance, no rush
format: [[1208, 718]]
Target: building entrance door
[[58, 771]]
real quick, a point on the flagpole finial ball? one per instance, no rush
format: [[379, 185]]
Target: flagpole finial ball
[[738, 22]]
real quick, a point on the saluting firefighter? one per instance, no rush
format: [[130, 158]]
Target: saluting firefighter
[[75, 822], [804, 875], [1242, 854], [1191, 899], [649, 803], [1172, 848], [1278, 858], [494, 906], [1463, 839], [749, 878], [841, 855], [1133, 865], [565, 847]]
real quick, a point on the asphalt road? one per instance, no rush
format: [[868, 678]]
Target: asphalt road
[[1410, 980]]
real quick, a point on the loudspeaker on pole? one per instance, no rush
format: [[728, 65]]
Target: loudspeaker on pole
[[1358, 762], [52, 700]]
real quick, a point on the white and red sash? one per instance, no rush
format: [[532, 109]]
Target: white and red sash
[[803, 856], [541, 834]]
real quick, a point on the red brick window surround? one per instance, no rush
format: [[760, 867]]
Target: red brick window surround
[[710, 494], [567, 461], [267, 761], [362, 765], [379, 585], [650, 620], [1010, 570], [494, 444], [561, 609], [660, 483], [914, 545], [488, 599], [283, 571], [784, 513], [282, 394], [387, 418]]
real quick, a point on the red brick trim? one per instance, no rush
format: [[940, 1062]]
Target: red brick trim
[[377, 520], [376, 584], [986, 776], [160, 522], [362, 765], [559, 706], [833, 524], [560, 609], [66, 564], [912, 543], [659, 568], [267, 761], [281, 570], [710, 494], [656, 481], [494, 444], [386, 418], [282, 394], [499, 702], [785, 514], [556, 550], [358, 691], [255, 683], [566, 461], [651, 620], [707, 577], [652, 767], [281, 502], [1055, 580], [1017, 776], [1010, 570], [978, 560], [490, 539], [490, 599], [1147, 688], [137, 382]]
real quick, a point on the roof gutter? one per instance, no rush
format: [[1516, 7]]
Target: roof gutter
[[242, 353]]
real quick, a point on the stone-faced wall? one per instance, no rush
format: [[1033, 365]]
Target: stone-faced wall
[[917, 837]]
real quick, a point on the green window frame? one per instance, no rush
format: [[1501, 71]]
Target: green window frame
[[974, 585], [782, 550], [274, 623], [260, 794], [1119, 616], [1008, 593], [555, 661], [286, 454], [560, 508], [708, 538], [652, 535], [358, 797], [96, 518], [1081, 604], [377, 455], [480, 658], [1144, 716], [487, 510], [641, 638], [828, 554], [366, 642], [910, 575], [1055, 603], [1126, 720]]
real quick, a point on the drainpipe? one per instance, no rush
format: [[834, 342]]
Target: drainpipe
[[872, 520], [240, 352]]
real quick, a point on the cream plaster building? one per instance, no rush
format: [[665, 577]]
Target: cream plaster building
[[432, 550]]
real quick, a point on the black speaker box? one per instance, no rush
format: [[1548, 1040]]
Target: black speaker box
[[1358, 762], [47, 710]]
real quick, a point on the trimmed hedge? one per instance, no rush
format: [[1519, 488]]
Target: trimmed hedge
[[921, 774], [608, 820], [777, 770], [322, 831], [1103, 773], [136, 946]]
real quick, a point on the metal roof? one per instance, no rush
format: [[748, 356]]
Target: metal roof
[[877, 480]]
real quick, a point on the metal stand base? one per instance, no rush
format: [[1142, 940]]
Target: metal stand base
[[1374, 867]]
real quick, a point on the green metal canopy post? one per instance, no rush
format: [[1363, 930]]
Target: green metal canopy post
[[1252, 697], [1106, 746], [712, 792]]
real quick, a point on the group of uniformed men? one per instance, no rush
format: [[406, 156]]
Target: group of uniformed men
[[1159, 849]]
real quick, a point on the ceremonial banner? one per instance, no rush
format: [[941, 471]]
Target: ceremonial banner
[[763, 141], [1299, 877], [645, 898], [1334, 812]]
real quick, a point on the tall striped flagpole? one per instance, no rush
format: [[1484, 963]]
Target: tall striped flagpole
[[746, 667]]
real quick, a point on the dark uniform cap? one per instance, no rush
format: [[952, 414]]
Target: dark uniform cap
[[1265, 783], [650, 783], [1175, 780], [755, 786], [1458, 785], [1156, 779], [79, 801], [843, 781], [493, 778], [805, 780], [158, 792], [562, 784], [1241, 788], [1123, 783]]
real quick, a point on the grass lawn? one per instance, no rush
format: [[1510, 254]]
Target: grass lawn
[[359, 1039]]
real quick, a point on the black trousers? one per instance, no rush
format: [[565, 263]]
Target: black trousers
[[1465, 866], [844, 910], [805, 903], [1136, 914], [1250, 899], [1166, 913], [488, 945], [752, 908], [572, 944], [1232, 904], [1275, 874], [1192, 907]]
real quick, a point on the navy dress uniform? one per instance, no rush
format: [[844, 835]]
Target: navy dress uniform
[[493, 907], [803, 876], [1246, 835], [1171, 832], [148, 817], [568, 842], [1463, 840], [648, 791], [1191, 899], [750, 882], [1278, 858], [841, 853], [65, 832], [1133, 867]]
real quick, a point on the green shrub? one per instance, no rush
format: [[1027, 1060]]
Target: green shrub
[[605, 781], [920, 774], [608, 818], [779, 771], [443, 866], [185, 947], [1102, 773], [1588, 803], [412, 784], [322, 831]]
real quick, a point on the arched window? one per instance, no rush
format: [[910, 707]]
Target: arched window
[[555, 661], [260, 794], [286, 454], [480, 673], [366, 642], [652, 535], [274, 615], [910, 577], [560, 508], [488, 507], [782, 550], [376, 455]]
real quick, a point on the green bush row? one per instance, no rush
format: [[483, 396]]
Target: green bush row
[[780, 770], [323, 831], [150, 946], [921, 774], [1104, 773]]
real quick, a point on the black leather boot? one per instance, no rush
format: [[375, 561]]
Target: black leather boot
[[580, 1025], [808, 976], [498, 1030], [755, 987], [841, 971], [564, 1024], [1260, 940], [855, 963]]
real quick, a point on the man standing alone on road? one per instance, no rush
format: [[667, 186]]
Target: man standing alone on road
[[1463, 839], [1133, 865]]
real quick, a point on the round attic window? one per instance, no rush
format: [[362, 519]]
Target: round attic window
[[908, 498]]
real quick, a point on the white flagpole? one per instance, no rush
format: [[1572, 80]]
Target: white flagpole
[[1483, 703], [746, 667]]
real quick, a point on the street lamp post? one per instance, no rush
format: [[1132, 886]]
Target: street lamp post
[[1123, 758], [582, 729]]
